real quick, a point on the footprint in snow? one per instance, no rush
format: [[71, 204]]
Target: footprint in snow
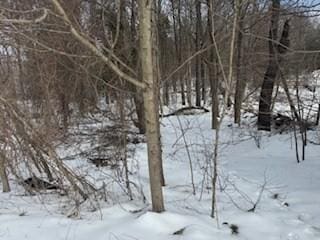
[[293, 236]]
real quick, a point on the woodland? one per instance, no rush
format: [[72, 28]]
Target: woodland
[[191, 119]]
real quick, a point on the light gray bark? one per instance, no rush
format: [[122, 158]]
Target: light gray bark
[[151, 113]]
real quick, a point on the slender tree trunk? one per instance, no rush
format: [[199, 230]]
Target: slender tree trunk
[[157, 77], [174, 81], [64, 111], [162, 63], [137, 97], [165, 94], [198, 47], [139, 103], [240, 84], [189, 65], [203, 82], [21, 72], [264, 115], [228, 84], [189, 87], [214, 91], [318, 116], [121, 102], [150, 100], [212, 73], [177, 41], [181, 79]]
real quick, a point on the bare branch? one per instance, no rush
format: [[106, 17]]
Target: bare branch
[[25, 21], [95, 50]]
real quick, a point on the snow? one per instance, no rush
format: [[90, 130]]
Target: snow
[[287, 192]]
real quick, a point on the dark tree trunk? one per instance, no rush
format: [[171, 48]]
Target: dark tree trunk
[[271, 74], [179, 51], [240, 84], [137, 96], [264, 115], [203, 81], [198, 58], [3, 175], [177, 41], [214, 93], [214, 84], [138, 102], [64, 111], [165, 93], [318, 116]]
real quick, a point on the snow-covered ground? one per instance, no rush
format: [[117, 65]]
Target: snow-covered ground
[[287, 194]]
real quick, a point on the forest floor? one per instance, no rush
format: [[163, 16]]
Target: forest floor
[[287, 193], [254, 169]]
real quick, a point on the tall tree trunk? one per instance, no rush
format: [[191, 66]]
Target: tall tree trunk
[[181, 79], [240, 84], [157, 76], [264, 115], [198, 47], [189, 65], [137, 97], [177, 42], [162, 39], [212, 73], [150, 100], [214, 91], [188, 83]]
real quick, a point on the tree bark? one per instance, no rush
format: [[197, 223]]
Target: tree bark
[[3, 175], [203, 82], [139, 103], [151, 113], [212, 73], [137, 97], [188, 83], [240, 84], [177, 41], [318, 116], [198, 47], [181, 79], [264, 115], [157, 77]]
